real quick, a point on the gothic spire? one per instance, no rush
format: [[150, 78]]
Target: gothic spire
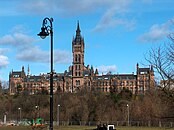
[[96, 72], [22, 68], [78, 29], [28, 70]]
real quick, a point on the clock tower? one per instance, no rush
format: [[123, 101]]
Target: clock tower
[[78, 60]]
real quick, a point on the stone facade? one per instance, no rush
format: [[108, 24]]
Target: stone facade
[[79, 76]]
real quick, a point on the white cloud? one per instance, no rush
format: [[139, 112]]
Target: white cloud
[[109, 10], [157, 32], [35, 54], [62, 56], [105, 69], [17, 36], [109, 22], [65, 7], [113, 17], [3, 61], [3, 50], [20, 29], [17, 39], [27, 50]]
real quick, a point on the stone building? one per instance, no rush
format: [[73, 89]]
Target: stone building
[[79, 76]]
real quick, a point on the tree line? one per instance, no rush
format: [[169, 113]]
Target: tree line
[[94, 106]]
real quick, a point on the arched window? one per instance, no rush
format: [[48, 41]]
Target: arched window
[[76, 57], [77, 82], [79, 58]]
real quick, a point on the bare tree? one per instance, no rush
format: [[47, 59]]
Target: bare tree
[[162, 60], [4, 86]]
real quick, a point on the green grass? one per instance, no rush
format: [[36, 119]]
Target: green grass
[[80, 128]]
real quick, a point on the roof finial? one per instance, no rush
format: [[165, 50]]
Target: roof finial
[[28, 69], [78, 26], [78, 29]]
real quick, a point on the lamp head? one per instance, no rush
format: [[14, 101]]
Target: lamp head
[[43, 33]]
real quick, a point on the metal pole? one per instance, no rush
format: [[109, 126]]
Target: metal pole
[[128, 114], [37, 111], [46, 30], [58, 121], [19, 114], [51, 82], [72, 79]]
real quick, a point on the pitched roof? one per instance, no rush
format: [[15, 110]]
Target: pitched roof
[[147, 70]]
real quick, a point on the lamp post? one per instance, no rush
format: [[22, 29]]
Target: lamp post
[[128, 114], [37, 111], [58, 113], [19, 114], [45, 31]]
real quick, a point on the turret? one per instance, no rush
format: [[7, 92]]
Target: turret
[[28, 70], [137, 67], [22, 68], [96, 72], [92, 71]]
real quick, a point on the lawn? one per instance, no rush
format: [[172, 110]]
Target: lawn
[[81, 128]]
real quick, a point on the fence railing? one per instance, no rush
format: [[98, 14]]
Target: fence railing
[[119, 123], [164, 124]]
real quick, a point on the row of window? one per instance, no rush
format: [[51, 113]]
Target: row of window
[[144, 77], [121, 83], [77, 67], [77, 73], [77, 57], [16, 76], [126, 83], [117, 89], [144, 83]]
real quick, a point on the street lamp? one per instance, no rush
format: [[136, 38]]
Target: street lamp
[[19, 114], [58, 114], [128, 114], [37, 111], [45, 31]]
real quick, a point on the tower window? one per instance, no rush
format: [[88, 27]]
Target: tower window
[[79, 58], [78, 82], [78, 39], [76, 57]]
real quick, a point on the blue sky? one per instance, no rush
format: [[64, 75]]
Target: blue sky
[[117, 33]]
